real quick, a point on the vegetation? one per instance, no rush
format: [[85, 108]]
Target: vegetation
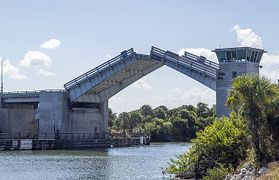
[[218, 173], [220, 143], [163, 124], [227, 142], [255, 98]]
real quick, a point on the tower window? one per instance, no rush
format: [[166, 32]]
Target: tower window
[[234, 55], [221, 75], [234, 74]]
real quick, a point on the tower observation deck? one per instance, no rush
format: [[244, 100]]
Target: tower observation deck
[[232, 63]]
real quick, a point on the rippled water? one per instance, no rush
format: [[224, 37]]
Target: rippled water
[[143, 162]]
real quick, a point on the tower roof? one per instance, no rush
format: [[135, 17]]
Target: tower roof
[[239, 54]]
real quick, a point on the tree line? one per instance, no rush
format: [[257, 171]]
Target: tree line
[[161, 123]]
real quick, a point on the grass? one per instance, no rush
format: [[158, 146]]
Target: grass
[[273, 173]]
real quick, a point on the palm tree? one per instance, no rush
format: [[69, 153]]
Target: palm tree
[[251, 95]]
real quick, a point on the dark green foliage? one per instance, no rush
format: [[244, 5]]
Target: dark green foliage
[[256, 98], [162, 124], [202, 110], [160, 112], [112, 117], [146, 111], [218, 173], [222, 142], [123, 120], [135, 118]]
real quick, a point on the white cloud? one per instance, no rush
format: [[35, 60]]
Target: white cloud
[[35, 58], [12, 71], [199, 52], [142, 84], [174, 98], [270, 63], [179, 96], [247, 37], [18, 76], [45, 73], [51, 44]]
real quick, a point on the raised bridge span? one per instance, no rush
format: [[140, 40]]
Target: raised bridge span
[[82, 106], [104, 81]]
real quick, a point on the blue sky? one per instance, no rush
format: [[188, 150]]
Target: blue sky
[[80, 35]]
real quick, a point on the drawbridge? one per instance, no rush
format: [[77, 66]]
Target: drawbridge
[[82, 106], [106, 80]]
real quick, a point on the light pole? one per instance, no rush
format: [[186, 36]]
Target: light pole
[[2, 74]]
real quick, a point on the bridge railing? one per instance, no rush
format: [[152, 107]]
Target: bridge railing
[[30, 93], [82, 136], [200, 59], [83, 77], [198, 66], [22, 135], [194, 62]]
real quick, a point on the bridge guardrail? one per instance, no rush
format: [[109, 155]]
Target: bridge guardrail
[[205, 62], [30, 93], [94, 71], [198, 63], [22, 135]]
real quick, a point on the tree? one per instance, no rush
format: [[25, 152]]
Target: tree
[[202, 110], [112, 118], [146, 111], [135, 119], [160, 129], [251, 95], [190, 116], [124, 120], [161, 112], [162, 124], [180, 129]]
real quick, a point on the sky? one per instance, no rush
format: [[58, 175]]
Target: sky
[[47, 43]]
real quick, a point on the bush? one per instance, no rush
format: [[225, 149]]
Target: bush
[[222, 142], [218, 173]]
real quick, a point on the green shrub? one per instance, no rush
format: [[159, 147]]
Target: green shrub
[[222, 142], [218, 173]]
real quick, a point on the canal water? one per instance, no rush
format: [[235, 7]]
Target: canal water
[[142, 163]]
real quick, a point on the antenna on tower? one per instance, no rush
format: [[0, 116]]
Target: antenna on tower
[[2, 74]]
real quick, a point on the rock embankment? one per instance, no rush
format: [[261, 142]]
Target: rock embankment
[[248, 172]]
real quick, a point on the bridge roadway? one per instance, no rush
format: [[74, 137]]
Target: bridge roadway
[[25, 96], [104, 81]]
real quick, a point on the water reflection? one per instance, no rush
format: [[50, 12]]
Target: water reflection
[[143, 162]]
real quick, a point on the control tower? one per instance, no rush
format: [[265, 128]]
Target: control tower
[[232, 63]]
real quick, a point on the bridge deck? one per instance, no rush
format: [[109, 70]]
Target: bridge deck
[[104, 81], [25, 96]]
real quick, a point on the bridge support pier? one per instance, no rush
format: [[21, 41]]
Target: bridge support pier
[[87, 120], [105, 115]]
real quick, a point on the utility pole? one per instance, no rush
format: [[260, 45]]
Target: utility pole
[[2, 74]]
